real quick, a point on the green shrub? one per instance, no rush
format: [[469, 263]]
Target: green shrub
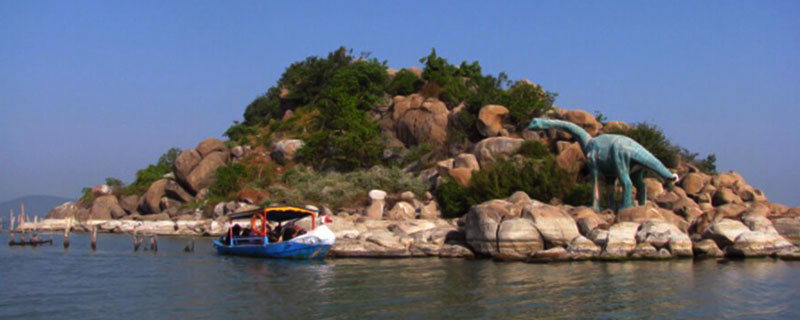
[[404, 83], [525, 102], [707, 165], [346, 138], [652, 138], [264, 108], [114, 183], [87, 198], [306, 80], [145, 177], [230, 179], [579, 195], [541, 179], [240, 133], [453, 198], [534, 149], [303, 81], [437, 70], [304, 185]]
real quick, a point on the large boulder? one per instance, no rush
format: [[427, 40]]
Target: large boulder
[[706, 249], [654, 188], [150, 202], [725, 231], [466, 160], [729, 179], [402, 104], [401, 211], [571, 158], [583, 248], [106, 208], [490, 150], [185, 163], [694, 182], [286, 150], [517, 239], [424, 124], [789, 228], [129, 203], [585, 120], [101, 190], [204, 174], [482, 222], [63, 211], [621, 240], [430, 211], [195, 169], [556, 226], [748, 194], [210, 145], [757, 244], [725, 196], [461, 175], [174, 190], [491, 119]]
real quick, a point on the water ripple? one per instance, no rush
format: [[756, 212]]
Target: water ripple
[[49, 282]]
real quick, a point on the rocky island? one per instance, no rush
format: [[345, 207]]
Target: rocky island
[[437, 161]]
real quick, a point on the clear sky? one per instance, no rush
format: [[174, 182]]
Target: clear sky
[[92, 89]]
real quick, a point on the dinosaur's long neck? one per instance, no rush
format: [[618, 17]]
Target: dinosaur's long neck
[[648, 160], [581, 135]]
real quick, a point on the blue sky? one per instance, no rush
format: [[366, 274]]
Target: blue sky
[[91, 89]]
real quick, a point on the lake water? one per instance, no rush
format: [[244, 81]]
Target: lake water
[[115, 282]]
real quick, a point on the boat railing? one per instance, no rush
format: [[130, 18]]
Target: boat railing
[[248, 240]]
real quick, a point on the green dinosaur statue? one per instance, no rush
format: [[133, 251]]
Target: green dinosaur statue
[[611, 156]]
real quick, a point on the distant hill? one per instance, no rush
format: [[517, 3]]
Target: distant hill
[[37, 205]]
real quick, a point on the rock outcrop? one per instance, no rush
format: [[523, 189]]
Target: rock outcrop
[[491, 119], [489, 150], [420, 123], [195, 169]]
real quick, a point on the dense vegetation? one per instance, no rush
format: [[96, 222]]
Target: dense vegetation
[[145, 177], [536, 174]]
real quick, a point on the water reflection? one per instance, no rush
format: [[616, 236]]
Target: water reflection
[[49, 282]]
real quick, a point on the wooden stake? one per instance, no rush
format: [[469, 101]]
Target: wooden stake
[[153, 243], [136, 242], [94, 238], [67, 228]]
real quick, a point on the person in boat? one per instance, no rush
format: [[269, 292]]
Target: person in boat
[[291, 231], [234, 232]]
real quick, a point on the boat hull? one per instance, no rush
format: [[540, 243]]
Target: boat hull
[[284, 250]]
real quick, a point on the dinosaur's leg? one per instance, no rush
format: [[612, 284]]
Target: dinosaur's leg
[[623, 174], [611, 190], [595, 190], [641, 189]]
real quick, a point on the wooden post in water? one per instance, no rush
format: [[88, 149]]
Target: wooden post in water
[[153, 243], [67, 228], [11, 235], [94, 238], [136, 241], [35, 233]]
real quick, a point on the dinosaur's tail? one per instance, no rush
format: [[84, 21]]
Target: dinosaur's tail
[[648, 160]]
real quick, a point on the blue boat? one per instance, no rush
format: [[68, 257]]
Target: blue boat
[[285, 241]]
